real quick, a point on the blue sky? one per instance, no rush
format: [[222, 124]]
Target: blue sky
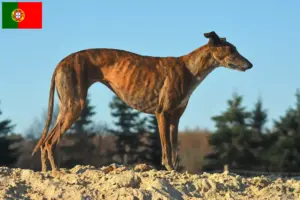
[[266, 32]]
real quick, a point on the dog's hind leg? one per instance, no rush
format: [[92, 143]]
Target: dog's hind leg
[[44, 149], [72, 99], [43, 158], [65, 123]]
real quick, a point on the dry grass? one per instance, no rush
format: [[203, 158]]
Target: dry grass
[[193, 146]]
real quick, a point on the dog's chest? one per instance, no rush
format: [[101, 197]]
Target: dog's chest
[[192, 87]]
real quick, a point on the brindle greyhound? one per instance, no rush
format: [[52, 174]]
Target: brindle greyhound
[[155, 85]]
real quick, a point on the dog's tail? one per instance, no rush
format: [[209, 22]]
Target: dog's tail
[[49, 115]]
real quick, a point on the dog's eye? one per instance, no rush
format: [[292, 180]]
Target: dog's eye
[[232, 50]]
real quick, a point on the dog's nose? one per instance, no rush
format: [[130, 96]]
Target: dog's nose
[[249, 66]]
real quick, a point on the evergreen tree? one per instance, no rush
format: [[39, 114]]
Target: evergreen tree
[[286, 151], [8, 156], [258, 118], [140, 141], [128, 124], [230, 141], [261, 140]]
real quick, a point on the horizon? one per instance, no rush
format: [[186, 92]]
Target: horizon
[[263, 32]]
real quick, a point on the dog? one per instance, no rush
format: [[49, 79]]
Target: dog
[[156, 85]]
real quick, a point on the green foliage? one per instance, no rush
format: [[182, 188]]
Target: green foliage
[[261, 140], [258, 118], [8, 156], [242, 141], [129, 127], [126, 117], [233, 142], [285, 153], [137, 136]]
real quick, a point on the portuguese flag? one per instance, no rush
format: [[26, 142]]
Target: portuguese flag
[[22, 15]]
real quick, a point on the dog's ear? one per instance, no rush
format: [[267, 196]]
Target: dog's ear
[[213, 38]]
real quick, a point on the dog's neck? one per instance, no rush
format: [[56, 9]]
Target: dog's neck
[[200, 62]]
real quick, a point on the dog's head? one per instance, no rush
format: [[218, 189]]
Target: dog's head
[[226, 54]]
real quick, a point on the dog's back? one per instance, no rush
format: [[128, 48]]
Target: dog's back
[[135, 78]]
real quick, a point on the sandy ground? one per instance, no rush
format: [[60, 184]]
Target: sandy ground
[[141, 182]]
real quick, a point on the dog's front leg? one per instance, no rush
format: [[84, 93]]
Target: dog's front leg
[[43, 158], [163, 120], [174, 122]]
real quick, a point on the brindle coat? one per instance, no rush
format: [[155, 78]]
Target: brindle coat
[[155, 85]]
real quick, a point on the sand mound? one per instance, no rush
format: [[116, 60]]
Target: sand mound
[[141, 182]]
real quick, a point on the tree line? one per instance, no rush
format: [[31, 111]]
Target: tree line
[[241, 139], [243, 142]]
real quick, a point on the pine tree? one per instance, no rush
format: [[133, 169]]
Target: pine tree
[[258, 118], [230, 140], [128, 124], [261, 140], [140, 141], [8, 156], [286, 151]]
